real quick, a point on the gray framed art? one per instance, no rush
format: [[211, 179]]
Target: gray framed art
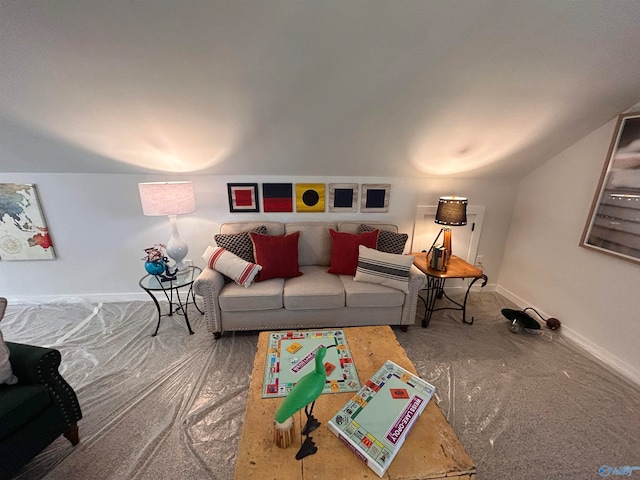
[[613, 225], [375, 198], [343, 197]]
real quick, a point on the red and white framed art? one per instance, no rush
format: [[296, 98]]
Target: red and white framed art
[[243, 197]]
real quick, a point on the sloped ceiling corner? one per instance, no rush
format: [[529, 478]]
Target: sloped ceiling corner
[[364, 87]]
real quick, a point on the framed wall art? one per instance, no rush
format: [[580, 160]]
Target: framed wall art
[[243, 197], [613, 225], [310, 197], [343, 197], [375, 198], [23, 231], [277, 197]]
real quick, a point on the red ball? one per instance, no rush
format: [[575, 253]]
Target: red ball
[[553, 323]]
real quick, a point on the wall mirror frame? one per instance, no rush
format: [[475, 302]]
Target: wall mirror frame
[[613, 225]]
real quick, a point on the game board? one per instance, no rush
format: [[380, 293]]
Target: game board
[[374, 422], [290, 356]]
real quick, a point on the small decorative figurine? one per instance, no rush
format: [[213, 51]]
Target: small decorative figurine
[[303, 394], [156, 263]]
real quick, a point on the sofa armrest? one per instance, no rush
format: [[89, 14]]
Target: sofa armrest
[[417, 281], [39, 365], [208, 285]]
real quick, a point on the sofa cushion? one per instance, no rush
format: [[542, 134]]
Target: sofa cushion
[[314, 245], [19, 404], [231, 265], [344, 250], [265, 295], [389, 242], [315, 289], [277, 255], [384, 268], [362, 294], [6, 373], [239, 243]]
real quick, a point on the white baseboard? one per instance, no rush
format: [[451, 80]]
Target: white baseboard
[[86, 298], [617, 364]]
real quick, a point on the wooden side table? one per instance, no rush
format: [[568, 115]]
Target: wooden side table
[[456, 268]]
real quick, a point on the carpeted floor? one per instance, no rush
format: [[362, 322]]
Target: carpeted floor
[[528, 406]]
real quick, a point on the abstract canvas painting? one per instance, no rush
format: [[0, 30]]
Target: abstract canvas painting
[[23, 231]]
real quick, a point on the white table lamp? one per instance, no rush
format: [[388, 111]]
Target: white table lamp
[[169, 198]]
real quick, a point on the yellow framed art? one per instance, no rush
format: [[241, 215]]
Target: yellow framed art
[[310, 197]]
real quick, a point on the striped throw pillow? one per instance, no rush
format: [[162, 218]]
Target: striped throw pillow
[[231, 265], [388, 269]]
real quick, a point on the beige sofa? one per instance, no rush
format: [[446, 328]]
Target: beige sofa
[[316, 299]]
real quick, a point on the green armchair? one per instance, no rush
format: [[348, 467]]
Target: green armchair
[[36, 410]]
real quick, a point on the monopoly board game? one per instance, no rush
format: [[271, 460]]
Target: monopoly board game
[[374, 423], [291, 355]]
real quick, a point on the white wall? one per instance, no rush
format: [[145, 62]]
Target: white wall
[[595, 296], [99, 232]]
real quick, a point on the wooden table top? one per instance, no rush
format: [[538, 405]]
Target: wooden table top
[[456, 268], [431, 450]]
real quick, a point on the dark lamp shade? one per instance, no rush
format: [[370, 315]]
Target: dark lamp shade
[[452, 211]]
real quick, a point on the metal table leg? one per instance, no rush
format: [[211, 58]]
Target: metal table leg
[[155, 300], [464, 307], [183, 308], [179, 306], [192, 293], [435, 290]]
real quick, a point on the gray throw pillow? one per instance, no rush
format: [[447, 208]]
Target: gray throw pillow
[[239, 243], [388, 242]]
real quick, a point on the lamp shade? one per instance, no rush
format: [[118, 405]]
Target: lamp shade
[[167, 198], [452, 211]]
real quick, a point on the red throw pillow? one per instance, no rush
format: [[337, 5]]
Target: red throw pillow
[[277, 255], [344, 250]]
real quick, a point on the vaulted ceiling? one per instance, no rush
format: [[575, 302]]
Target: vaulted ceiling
[[309, 87]]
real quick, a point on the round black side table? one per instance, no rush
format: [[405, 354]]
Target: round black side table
[[154, 283]]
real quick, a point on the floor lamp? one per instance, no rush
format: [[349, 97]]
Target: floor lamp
[[170, 198], [452, 211]]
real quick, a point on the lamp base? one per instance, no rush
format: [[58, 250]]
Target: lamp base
[[181, 267], [177, 248], [446, 243], [435, 261]]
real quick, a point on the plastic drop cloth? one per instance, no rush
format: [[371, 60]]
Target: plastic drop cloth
[[528, 406]]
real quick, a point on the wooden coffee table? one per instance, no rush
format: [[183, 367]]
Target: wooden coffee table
[[431, 450]]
